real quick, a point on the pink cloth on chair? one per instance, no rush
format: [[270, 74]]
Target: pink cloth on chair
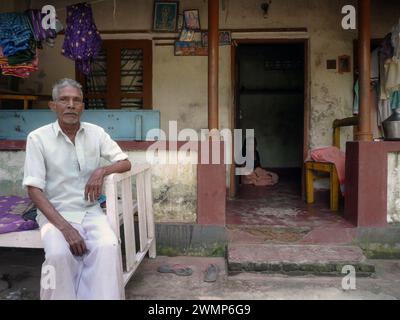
[[332, 155]]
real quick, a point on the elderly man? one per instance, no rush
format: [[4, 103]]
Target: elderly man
[[64, 179]]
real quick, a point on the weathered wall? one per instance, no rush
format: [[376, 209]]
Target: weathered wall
[[174, 186], [393, 188], [180, 83]]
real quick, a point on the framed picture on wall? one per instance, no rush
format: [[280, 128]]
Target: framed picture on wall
[[224, 38], [186, 35], [165, 16], [192, 19], [180, 22], [344, 64], [193, 48]]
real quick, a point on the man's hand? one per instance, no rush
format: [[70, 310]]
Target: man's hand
[[94, 185], [76, 243]]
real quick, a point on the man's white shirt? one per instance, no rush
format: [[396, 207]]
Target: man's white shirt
[[61, 169]]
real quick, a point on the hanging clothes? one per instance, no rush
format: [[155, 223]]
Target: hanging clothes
[[15, 32], [395, 100], [386, 49], [385, 110], [375, 65], [24, 56], [396, 41], [40, 34], [392, 76], [82, 40], [20, 70]]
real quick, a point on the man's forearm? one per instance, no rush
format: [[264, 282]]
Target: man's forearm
[[44, 205], [118, 167]]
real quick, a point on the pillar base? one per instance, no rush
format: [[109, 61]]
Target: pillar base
[[366, 182]]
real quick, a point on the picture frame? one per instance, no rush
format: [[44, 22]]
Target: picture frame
[[186, 35], [344, 64], [191, 19], [180, 22], [225, 38], [165, 16], [193, 48]]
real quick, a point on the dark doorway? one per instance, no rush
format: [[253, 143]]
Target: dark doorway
[[270, 78], [270, 100]]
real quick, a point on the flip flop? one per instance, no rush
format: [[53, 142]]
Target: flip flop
[[211, 274], [176, 269]]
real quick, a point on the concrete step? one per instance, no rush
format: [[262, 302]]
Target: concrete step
[[297, 259]]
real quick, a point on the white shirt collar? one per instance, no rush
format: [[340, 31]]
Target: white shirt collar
[[57, 128]]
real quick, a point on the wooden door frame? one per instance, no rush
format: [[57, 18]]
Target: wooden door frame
[[307, 104]]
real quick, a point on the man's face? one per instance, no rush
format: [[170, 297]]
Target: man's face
[[69, 106]]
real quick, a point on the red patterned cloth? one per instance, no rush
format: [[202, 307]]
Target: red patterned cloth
[[23, 70]]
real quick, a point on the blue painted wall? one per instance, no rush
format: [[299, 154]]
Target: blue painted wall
[[120, 124]]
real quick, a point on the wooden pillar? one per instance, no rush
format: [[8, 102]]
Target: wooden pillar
[[213, 54], [364, 57], [211, 178]]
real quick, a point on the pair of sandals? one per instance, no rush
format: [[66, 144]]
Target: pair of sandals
[[210, 275]]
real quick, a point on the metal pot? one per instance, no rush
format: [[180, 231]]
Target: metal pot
[[391, 126]]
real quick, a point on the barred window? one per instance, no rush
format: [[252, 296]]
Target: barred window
[[121, 76]]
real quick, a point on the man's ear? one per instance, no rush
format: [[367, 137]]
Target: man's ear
[[52, 105]]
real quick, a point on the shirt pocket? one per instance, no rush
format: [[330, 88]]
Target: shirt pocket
[[92, 158]]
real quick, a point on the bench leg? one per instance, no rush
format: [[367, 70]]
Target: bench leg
[[334, 189], [152, 250], [309, 186]]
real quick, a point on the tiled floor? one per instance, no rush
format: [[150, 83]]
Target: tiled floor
[[278, 214]]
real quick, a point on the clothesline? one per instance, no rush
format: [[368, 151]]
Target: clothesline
[[95, 2]]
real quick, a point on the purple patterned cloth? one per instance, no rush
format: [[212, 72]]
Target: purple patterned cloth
[[82, 40], [11, 210], [35, 18]]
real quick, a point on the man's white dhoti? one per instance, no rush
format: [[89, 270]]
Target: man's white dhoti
[[95, 275]]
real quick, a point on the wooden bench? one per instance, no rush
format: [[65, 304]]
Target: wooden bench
[[120, 213], [315, 166], [25, 98]]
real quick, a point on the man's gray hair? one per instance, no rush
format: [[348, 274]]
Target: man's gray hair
[[65, 82]]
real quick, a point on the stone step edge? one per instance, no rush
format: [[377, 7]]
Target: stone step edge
[[362, 269]]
